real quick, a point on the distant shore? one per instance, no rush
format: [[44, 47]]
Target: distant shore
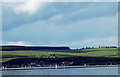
[[62, 56]]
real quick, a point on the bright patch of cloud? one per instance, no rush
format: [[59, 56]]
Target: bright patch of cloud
[[19, 43], [29, 7]]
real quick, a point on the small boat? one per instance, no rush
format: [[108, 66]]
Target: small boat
[[56, 66]]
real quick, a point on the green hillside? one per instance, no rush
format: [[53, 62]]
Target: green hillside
[[96, 52]]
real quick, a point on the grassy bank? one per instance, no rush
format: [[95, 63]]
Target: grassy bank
[[97, 52]]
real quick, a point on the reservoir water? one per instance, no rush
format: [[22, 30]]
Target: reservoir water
[[67, 71]]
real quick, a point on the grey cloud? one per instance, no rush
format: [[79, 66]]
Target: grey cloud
[[52, 33], [70, 12]]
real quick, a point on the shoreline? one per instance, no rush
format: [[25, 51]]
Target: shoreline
[[58, 67]]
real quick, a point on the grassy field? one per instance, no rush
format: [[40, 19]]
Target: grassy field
[[97, 52]]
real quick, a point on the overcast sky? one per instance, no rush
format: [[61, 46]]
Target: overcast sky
[[74, 24]]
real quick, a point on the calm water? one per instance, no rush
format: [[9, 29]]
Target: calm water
[[70, 71]]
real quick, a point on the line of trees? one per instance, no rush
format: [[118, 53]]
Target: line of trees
[[99, 47]]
